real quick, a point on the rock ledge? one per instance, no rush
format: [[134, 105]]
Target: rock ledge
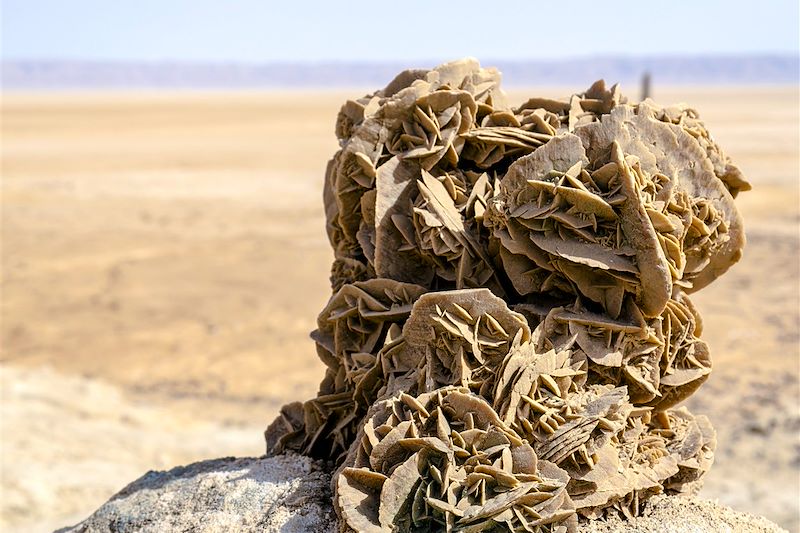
[[291, 493]]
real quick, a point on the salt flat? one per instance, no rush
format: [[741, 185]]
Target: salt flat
[[164, 258]]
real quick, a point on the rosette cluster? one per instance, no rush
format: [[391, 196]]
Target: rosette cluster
[[510, 329]]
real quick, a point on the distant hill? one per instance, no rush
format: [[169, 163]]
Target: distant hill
[[54, 74]]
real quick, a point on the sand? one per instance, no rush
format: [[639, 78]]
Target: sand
[[164, 259]]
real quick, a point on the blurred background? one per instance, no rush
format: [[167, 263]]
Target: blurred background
[[163, 247]]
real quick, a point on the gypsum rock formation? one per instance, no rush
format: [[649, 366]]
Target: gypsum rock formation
[[662, 361], [587, 221], [564, 229], [355, 324], [445, 460], [615, 454], [453, 122]]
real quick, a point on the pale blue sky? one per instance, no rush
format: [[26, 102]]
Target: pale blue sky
[[261, 31]]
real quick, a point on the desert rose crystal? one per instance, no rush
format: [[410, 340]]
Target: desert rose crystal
[[510, 328]]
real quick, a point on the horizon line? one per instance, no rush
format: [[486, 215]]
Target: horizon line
[[700, 69], [488, 61]]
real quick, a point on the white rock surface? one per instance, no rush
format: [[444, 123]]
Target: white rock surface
[[288, 493], [675, 514], [291, 494]]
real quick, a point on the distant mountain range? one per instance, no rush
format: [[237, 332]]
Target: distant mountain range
[[55, 74]]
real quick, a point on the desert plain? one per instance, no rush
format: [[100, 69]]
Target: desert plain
[[164, 258]]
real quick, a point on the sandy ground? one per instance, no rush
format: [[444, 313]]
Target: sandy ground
[[164, 259]]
